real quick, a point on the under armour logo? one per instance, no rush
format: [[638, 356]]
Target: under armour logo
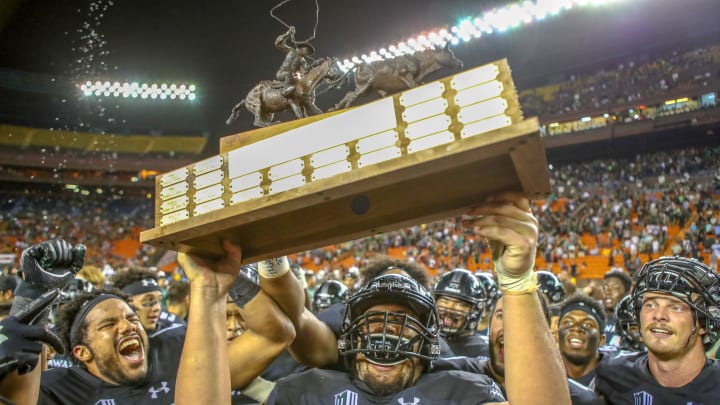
[[154, 392], [416, 401], [148, 282]]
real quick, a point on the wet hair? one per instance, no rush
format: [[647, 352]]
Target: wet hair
[[587, 304], [384, 263], [177, 291], [125, 277], [624, 278], [65, 315]]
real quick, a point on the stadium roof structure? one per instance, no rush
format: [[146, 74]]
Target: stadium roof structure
[[225, 47]]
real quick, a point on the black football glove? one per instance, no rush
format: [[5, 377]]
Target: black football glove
[[20, 338], [52, 264]]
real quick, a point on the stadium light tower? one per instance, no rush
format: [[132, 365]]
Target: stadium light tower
[[497, 20], [153, 91]]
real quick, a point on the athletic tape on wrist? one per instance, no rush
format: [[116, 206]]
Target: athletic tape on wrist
[[274, 268], [512, 284]]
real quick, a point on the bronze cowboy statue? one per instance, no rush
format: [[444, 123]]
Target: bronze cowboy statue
[[295, 62], [398, 74], [266, 98]]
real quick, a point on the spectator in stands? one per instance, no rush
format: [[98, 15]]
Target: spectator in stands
[[616, 285], [676, 301], [179, 299], [580, 337]]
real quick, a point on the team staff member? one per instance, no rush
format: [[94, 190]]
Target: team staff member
[[676, 300]]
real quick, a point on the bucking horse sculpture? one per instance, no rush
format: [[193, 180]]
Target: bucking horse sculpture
[[397, 74], [266, 99]]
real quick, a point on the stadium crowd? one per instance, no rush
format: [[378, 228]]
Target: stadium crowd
[[626, 206], [631, 81]]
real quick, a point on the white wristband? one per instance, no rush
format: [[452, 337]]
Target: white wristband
[[515, 283], [274, 268]]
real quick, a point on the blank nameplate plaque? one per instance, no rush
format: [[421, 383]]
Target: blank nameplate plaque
[[421, 155]]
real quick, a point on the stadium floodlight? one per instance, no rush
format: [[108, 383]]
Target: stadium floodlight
[[154, 91], [499, 19]]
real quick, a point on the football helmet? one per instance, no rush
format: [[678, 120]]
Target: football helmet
[[491, 289], [389, 337], [687, 279], [460, 284], [626, 325], [551, 286], [330, 292]]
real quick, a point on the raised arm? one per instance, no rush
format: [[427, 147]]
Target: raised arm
[[203, 376], [209, 367], [268, 333], [315, 344], [46, 267], [534, 371], [280, 41]]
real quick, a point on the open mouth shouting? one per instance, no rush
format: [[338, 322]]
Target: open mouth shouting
[[131, 349]]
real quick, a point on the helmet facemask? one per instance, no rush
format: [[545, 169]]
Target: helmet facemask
[[390, 337], [387, 337], [470, 319], [462, 286], [687, 280]]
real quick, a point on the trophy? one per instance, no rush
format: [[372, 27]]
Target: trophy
[[424, 154]]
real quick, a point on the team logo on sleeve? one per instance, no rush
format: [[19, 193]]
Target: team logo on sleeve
[[642, 398], [346, 397]]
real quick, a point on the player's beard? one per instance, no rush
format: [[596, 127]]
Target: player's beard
[[109, 368], [383, 386], [497, 368]]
